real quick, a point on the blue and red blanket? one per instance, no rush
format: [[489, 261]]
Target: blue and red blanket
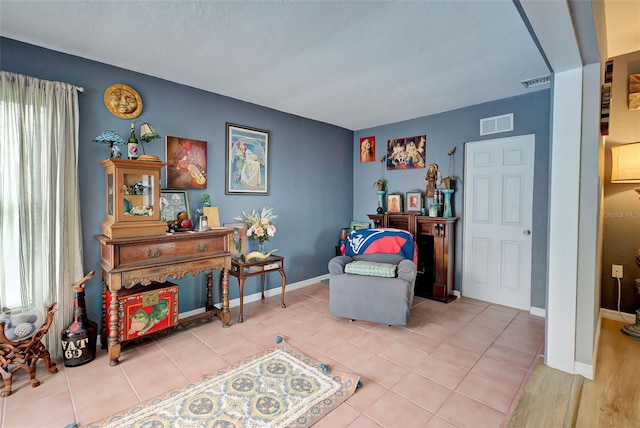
[[390, 241]]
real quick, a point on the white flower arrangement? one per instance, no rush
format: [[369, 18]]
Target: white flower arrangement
[[260, 224]]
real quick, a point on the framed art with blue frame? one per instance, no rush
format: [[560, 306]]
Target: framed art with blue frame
[[247, 163]]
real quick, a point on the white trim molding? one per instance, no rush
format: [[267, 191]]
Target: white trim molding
[[257, 296]]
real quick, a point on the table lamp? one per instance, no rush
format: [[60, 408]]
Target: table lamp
[[113, 140], [147, 133]]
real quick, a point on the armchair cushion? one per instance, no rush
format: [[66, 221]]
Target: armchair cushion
[[361, 267]]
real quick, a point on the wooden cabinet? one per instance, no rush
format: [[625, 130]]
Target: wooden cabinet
[[136, 262], [132, 198], [435, 238]]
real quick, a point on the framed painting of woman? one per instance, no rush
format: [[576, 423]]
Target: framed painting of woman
[[247, 163]]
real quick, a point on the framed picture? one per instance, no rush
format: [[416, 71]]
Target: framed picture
[[394, 203], [172, 202], [406, 153], [414, 200], [355, 225], [367, 149], [186, 163], [238, 240], [247, 163]]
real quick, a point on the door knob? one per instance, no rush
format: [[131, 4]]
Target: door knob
[[526, 232]]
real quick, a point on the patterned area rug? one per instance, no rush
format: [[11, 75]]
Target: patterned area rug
[[279, 387]]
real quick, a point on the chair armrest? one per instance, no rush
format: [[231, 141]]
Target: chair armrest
[[407, 270], [337, 264]]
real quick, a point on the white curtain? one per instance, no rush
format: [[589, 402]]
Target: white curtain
[[40, 230]]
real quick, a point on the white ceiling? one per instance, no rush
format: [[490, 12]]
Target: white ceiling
[[354, 64]]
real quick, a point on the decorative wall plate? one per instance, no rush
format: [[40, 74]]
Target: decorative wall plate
[[123, 101]]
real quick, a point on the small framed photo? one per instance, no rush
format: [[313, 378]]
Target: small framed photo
[[238, 243], [247, 163], [355, 225], [394, 203], [414, 200], [172, 202]]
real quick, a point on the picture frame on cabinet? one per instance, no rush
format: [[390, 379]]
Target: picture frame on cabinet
[[414, 200], [237, 239], [247, 160], [355, 225], [173, 201], [394, 203]]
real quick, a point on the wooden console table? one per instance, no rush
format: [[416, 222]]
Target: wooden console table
[[243, 270], [137, 261], [435, 240]]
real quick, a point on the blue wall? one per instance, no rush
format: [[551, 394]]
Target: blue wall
[[311, 186], [318, 184], [453, 129]]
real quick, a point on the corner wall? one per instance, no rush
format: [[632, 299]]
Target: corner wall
[[451, 129], [621, 230], [310, 177]]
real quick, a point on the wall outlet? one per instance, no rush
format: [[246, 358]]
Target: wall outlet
[[616, 271]]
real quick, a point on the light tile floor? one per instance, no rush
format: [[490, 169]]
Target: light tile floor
[[462, 364]]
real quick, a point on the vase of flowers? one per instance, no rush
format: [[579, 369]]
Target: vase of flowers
[[260, 225]]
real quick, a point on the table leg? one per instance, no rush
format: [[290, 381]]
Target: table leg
[[114, 321], [103, 324], [241, 288], [209, 305], [262, 283], [225, 316], [284, 284]]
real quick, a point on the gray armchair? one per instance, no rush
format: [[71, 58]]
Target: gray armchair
[[371, 298]]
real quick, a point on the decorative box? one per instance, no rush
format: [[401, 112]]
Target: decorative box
[[145, 310]]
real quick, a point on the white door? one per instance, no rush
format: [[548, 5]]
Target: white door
[[498, 204]]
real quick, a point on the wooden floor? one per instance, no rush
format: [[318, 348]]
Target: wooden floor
[[553, 398]]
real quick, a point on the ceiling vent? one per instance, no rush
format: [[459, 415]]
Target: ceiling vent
[[536, 81], [496, 124]]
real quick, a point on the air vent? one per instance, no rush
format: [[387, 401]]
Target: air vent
[[496, 124], [536, 81]]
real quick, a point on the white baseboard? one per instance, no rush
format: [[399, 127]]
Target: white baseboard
[[538, 312], [257, 296], [586, 370], [614, 315], [456, 293], [590, 369]]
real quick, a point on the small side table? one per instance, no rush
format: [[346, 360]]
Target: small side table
[[243, 270]]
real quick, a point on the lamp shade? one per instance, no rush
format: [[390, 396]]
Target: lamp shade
[[625, 163], [109, 137], [147, 133]]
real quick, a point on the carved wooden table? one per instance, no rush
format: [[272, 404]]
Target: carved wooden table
[[137, 261], [243, 270]]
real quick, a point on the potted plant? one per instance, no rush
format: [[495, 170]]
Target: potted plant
[[381, 183], [449, 181]]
